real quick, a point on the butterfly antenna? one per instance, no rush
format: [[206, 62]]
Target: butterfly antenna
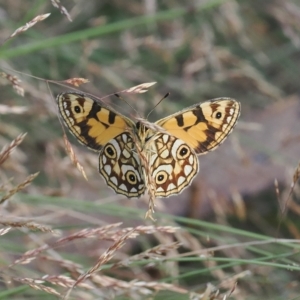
[[164, 97], [118, 96]]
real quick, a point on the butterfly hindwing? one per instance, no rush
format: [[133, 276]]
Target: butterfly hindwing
[[121, 167], [173, 165], [91, 123], [203, 126]]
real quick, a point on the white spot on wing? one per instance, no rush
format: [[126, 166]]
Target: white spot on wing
[[117, 147], [191, 159], [165, 153], [171, 187], [133, 190], [175, 147], [107, 169], [124, 137], [187, 170], [160, 189], [104, 159], [126, 153], [114, 180], [123, 187], [180, 181], [165, 138]]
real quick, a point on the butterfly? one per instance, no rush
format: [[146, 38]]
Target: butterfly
[[160, 157]]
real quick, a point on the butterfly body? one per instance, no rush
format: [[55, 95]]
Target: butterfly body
[[160, 157]]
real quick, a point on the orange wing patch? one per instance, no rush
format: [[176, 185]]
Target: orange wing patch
[[204, 127], [92, 124]]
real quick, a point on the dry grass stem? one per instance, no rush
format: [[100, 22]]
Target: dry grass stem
[[135, 286], [26, 224], [30, 24], [103, 259], [19, 187], [74, 268], [109, 233], [62, 9], [150, 125], [150, 183], [150, 229], [4, 231], [73, 157], [254, 76], [287, 14], [231, 282], [106, 256], [158, 286], [278, 194], [208, 293], [5, 109], [233, 289], [104, 232], [76, 81], [296, 176], [31, 255], [118, 285], [15, 82], [37, 285], [154, 253], [242, 70], [139, 89], [292, 204], [7, 150], [64, 281], [239, 205]]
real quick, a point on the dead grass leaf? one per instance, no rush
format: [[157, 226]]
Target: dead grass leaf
[[73, 157], [7, 150]]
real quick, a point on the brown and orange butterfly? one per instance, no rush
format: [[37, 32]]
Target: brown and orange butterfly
[[161, 156]]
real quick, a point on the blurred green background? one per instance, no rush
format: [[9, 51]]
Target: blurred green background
[[196, 50]]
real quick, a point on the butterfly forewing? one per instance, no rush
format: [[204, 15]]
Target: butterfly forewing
[[204, 126], [92, 124]]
